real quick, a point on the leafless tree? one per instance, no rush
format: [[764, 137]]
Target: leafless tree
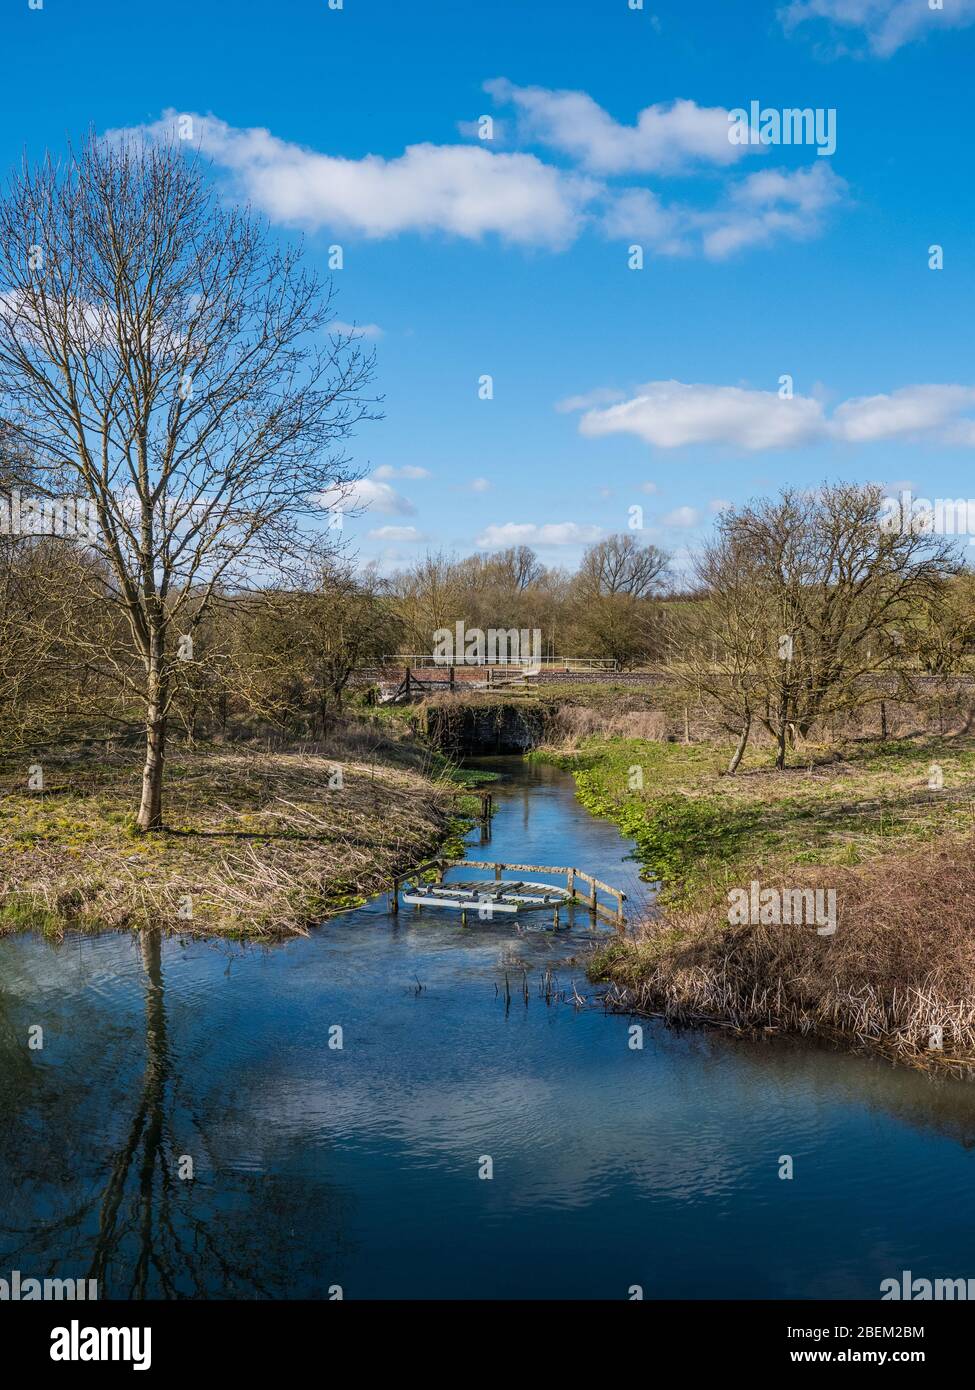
[[620, 565], [615, 613], [163, 359], [714, 638], [806, 600], [297, 650]]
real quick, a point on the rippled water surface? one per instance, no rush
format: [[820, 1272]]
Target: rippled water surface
[[315, 1167]]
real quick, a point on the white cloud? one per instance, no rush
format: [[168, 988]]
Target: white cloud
[[670, 414], [770, 204], [886, 24], [359, 330], [365, 495], [527, 533], [639, 214], [480, 485], [463, 190], [650, 488], [912, 412], [757, 210], [471, 191], [397, 533], [718, 504], [683, 517], [670, 137], [408, 470], [674, 414]]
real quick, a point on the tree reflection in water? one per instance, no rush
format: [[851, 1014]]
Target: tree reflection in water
[[140, 1228]]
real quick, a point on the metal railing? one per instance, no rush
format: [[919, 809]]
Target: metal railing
[[554, 663]]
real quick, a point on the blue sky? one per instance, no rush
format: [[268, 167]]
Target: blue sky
[[509, 257]]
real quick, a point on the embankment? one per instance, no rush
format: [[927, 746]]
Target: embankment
[[872, 826], [256, 844], [465, 726]]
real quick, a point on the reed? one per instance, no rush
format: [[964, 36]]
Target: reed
[[898, 976]]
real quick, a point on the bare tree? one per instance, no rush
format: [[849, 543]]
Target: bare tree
[[296, 651], [164, 360], [620, 565], [429, 596], [806, 601], [614, 610], [714, 638]]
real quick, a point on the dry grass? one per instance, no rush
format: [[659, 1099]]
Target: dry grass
[[900, 965], [259, 842], [570, 723]]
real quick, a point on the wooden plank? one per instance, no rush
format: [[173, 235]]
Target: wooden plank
[[458, 906], [495, 890]]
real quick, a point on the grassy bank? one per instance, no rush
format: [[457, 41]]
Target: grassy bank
[[256, 843], [887, 827]]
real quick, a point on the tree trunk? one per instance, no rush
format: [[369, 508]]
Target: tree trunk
[[780, 753], [150, 811], [739, 752]]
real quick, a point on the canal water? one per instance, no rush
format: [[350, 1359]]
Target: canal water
[[187, 1130]]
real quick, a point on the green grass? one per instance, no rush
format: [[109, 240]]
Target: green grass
[[19, 913], [261, 843], [697, 829]]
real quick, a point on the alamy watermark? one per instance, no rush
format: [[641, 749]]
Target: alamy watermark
[[925, 1290], [77, 1343], [783, 907], [18, 1289], [498, 646], [71, 517], [945, 516], [791, 126]]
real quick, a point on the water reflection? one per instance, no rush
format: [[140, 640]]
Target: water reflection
[[109, 1173], [314, 1167]]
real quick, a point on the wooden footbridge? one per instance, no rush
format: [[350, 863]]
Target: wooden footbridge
[[425, 886]]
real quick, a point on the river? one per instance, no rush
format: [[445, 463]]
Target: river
[[187, 1129]]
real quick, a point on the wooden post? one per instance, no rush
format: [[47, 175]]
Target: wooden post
[[592, 899], [687, 726], [394, 905], [570, 883], [883, 721], [406, 683], [497, 870], [450, 678]]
